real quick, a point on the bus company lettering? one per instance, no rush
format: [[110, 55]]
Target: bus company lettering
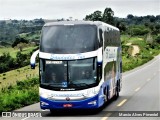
[[110, 53], [67, 57], [67, 95], [56, 57]]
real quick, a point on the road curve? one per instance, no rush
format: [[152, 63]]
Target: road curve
[[140, 92]]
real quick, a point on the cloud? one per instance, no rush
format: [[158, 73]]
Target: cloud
[[54, 9]]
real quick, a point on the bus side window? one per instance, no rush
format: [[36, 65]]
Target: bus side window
[[100, 72], [101, 37]]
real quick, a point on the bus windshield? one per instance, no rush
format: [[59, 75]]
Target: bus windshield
[[69, 39], [77, 74]]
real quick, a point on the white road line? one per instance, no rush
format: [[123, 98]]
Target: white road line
[[106, 116], [137, 89], [121, 103], [25, 118], [154, 74], [139, 69], [148, 79]]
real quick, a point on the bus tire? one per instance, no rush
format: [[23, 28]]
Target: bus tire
[[106, 92], [116, 91], [107, 95]]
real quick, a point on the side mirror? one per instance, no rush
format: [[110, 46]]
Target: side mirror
[[32, 66], [33, 59]]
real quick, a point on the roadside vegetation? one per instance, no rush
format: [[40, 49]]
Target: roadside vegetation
[[142, 32], [10, 78], [22, 94], [17, 60], [13, 51], [146, 51]]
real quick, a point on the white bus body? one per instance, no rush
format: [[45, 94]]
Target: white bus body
[[80, 64]]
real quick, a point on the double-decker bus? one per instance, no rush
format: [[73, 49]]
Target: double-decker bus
[[80, 64]]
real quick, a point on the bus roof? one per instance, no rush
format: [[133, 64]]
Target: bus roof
[[97, 23]]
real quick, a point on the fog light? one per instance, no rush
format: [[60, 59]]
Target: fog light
[[93, 102], [44, 103]]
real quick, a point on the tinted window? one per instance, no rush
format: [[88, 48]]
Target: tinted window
[[69, 39], [77, 74]]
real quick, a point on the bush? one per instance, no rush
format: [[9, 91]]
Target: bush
[[158, 39], [22, 94], [138, 30], [19, 40], [6, 62]]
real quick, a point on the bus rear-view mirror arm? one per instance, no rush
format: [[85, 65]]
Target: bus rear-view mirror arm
[[33, 59]]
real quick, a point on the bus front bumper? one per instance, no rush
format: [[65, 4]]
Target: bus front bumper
[[87, 103]]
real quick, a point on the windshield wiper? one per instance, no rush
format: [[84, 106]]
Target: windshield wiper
[[50, 84], [84, 84], [79, 85]]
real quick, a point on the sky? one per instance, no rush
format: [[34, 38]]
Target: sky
[[77, 9]]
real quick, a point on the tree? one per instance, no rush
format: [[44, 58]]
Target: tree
[[130, 16], [149, 39], [157, 29], [108, 16], [158, 39], [152, 19], [20, 46], [21, 59], [138, 30], [121, 26], [19, 40], [96, 16], [6, 62]]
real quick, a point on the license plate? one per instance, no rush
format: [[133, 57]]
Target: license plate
[[67, 105]]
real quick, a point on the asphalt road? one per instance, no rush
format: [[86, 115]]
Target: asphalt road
[[140, 93]]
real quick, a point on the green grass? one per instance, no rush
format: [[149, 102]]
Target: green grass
[[19, 95], [31, 36], [13, 51], [11, 77], [146, 52]]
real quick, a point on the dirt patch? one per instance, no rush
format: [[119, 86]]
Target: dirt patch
[[129, 44], [140, 38], [135, 50]]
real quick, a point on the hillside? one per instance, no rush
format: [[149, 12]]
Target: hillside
[[137, 51], [12, 28], [12, 77], [13, 51]]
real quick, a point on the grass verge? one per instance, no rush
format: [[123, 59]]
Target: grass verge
[[147, 52], [17, 96], [11, 77]]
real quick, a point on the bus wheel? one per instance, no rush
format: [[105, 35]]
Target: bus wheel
[[116, 91], [106, 92]]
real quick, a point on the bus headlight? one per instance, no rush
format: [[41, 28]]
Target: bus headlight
[[93, 102], [43, 103]]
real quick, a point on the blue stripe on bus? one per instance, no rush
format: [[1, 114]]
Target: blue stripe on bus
[[76, 104]]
